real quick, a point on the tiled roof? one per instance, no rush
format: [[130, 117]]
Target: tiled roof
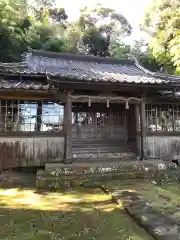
[[90, 68], [25, 85], [72, 67], [16, 83]]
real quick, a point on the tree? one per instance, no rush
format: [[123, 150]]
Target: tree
[[11, 34], [162, 22], [58, 15], [139, 50], [99, 26], [52, 15], [144, 55], [119, 49], [19, 30], [48, 31], [35, 6], [72, 37]]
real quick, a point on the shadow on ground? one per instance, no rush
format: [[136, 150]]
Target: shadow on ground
[[72, 214]]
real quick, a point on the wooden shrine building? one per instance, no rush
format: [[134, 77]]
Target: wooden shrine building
[[64, 107]]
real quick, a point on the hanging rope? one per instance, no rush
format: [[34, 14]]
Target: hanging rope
[[108, 103], [89, 102], [107, 99], [127, 104]]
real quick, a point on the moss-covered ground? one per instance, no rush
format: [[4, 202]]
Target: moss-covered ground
[[73, 214]]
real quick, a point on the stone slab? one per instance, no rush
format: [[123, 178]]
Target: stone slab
[[159, 225], [58, 174]]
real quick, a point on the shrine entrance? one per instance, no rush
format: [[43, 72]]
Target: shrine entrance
[[99, 122], [99, 129]]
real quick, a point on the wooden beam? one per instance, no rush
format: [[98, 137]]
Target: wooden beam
[[142, 126], [137, 112], [95, 85], [163, 134], [59, 96], [68, 126], [163, 101], [14, 95]]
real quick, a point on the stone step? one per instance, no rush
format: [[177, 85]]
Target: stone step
[[57, 173]]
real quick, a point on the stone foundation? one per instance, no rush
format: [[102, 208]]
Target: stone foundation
[[56, 177]]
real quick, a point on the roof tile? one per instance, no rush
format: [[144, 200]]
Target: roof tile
[[78, 68], [28, 85], [90, 68]]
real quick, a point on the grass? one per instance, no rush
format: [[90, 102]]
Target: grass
[[79, 214], [164, 199]]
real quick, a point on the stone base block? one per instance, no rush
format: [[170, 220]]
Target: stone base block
[[70, 176]]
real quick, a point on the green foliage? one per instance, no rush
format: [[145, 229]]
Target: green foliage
[[18, 30], [39, 25], [162, 21], [140, 50], [119, 49], [11, 34], [58, 15], [96, 36], [143, 53], [54, 45]]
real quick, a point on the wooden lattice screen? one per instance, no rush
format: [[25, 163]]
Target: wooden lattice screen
[[98, 121], [163, 117], [29, 116]]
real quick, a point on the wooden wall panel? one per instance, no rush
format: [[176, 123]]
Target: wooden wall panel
[[30, 151], [162, 147]]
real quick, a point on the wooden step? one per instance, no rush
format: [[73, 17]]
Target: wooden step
[[98, 141], [102, 156], [100, 150]]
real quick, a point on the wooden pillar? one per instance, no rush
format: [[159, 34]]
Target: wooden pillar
[[2, 117], [137, 129], [68, 126], [142, 127], [126, 111], [39, 116]]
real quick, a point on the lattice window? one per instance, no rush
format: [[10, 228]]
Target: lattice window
[[97, 114], [29, 116], [164, 117]]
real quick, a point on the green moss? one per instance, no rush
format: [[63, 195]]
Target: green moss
[[76, 176], [79, 214], [164, 199]]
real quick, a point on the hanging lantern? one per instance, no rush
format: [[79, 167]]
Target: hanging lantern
[[89, 102], [127, 104], [107, 103]]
